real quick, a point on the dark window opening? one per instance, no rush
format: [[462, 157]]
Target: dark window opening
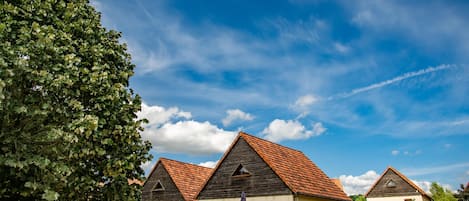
[[390, 184], [158, 186], [241, 171]]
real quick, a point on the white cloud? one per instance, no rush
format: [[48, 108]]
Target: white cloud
[[354, 185], [467, 173], [209, 164], [279, 130], [147, 166], [182, 136], [305, 101], [424, 185], [395, 152], [318, 128], [157, 115], [236, 114], [190, 137]]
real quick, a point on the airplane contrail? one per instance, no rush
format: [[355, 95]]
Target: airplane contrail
[[393, 80]]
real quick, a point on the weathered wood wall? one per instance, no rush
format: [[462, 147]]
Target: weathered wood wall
[[402, 187], [263, 181], [170, 193]]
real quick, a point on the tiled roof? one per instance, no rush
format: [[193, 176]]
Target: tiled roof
[[299, 173], [187, 177], [338, 183], [422, 192]]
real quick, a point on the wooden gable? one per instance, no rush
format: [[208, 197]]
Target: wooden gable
[[393, 183], [160, 186], [242, 169]]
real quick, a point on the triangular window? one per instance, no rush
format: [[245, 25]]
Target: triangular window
[[158, 186], [390, 184], [241, 171]]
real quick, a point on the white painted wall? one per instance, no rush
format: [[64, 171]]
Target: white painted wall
[[398, 198], [257, 198]]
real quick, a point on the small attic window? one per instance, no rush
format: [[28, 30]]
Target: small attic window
[[158, 186], [241, 171], [390, 184]]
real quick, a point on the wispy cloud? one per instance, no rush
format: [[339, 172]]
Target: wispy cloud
[[442, 24], [202, 46], [393, 80], [434, 170]]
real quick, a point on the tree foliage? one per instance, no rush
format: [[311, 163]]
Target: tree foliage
[[359, 197], [68, 127], [441, 194]]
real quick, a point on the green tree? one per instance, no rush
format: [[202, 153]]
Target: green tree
[[68, 128], [441, 194], [359, 197]]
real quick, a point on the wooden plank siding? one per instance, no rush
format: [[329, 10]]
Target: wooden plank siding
[[170, 191], [261, 182], [401, 188]]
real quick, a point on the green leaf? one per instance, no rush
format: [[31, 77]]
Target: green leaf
[[50, 195]]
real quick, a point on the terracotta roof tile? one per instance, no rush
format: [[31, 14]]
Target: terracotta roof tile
[[187, 177], [338, 183], [422, 192], [299, 173]]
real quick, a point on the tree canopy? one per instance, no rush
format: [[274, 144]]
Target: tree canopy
[[441, 194], [68, 127], [359, 197]]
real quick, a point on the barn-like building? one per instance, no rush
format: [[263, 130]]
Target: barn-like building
[[264, 170], [394, 186], [259, 169], [172, 180]]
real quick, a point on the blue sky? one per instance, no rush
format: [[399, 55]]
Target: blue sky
[[356, 85]]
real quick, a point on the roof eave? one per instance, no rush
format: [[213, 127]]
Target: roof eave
[[322, 196]]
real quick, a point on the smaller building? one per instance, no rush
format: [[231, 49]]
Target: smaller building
[[394, 186], [174, 180]]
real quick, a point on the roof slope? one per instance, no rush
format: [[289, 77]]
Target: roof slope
[[299, 173], [187, 177], [403, 177], [338, 183]]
